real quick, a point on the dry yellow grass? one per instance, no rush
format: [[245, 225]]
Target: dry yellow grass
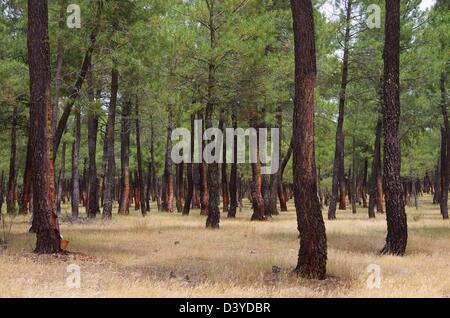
[[167, 255]]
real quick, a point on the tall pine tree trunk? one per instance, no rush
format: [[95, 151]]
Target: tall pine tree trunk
[[108, 191], [61, 178], [213, 218], [203, 179], [280, 189], [397, 233], [92, 207], [443, 200], [124, 206], [259, 212], [168, 184], [59, 64], [11, 195], [140, 172], [338, 182], [312, 255], [75, 161], [2, 189], [376, 170], [353, 180], [234, 171], [45, 221], [27, 176], [190, 171], [225, 193], [445, 150]]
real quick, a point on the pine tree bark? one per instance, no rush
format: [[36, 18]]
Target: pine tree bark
[[273, 184], [364, 184], [27, 175], [259, 212], [61, 178], [234, 171], [179, 186], [59, 64], [338, 181], [376, 170], [280, 190], [11, 195], [445, 150], [444, 175], [397, 233], [45, 221], [140, 173], [203, 180], [190, 176], [213, 219], [2, 189], [312, 255], [124, 206], [153, 187], [75, 161], [437, 183], [92, 207], [353, 176], [225, 192], [168, 184], [108, 191]]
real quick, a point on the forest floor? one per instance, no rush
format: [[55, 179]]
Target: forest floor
[[167, 255]]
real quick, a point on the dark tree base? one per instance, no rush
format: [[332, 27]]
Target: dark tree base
[[48, 242], [310, 271], [396, 248], [212, 222]]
